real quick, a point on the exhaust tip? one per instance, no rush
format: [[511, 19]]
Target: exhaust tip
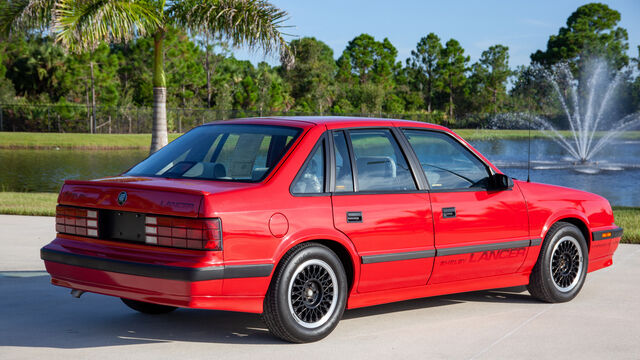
[[76, 293]]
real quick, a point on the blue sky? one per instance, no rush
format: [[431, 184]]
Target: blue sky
[[523, 26]]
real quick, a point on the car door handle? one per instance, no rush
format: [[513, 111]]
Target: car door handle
[[354, 216], [449, 212]]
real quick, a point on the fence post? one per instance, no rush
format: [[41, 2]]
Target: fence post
[[1, 124]]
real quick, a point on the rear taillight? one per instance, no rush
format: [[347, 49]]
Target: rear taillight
[[200, 234], [76, 221]]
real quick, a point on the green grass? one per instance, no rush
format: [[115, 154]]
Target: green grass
[[26, 140], [17, 203], [628, 218], [44, 204]]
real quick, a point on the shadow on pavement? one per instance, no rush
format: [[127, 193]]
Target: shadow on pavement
[[37, 314]]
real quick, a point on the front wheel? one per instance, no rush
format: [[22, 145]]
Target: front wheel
[[307, 296], [561, 269]]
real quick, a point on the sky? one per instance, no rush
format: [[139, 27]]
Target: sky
[[523, 26]]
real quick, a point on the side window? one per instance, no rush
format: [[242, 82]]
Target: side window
[[344, 175], [380, 164], [446, 163], [310, 179]]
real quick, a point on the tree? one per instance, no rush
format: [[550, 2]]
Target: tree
[[7, 91], [452, 66], [311, 78], [424, 60], [490, 75], [36, 68], [185, 72], [212, 60], [372, 64], [93, 76], [591, 31], [371, 60], [82, 25]]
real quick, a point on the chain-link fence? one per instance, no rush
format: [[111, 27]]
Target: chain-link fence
[[120, 120]]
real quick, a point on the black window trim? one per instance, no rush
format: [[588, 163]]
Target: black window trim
[[418, 176], [473, 153], [327, 168], [406, 149]]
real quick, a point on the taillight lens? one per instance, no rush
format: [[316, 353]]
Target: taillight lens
[[76, 221], [199, 234]]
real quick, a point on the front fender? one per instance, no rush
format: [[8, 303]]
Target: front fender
[[561, 215]]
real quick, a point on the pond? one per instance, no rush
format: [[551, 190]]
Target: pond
[[620, 187], [45, 170]]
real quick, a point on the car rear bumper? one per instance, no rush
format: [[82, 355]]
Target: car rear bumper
[[169, 281], [157, 271]]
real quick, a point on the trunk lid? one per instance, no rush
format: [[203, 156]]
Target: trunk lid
[[176, 197]]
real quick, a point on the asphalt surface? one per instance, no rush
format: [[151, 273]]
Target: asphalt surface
[[38, 320]]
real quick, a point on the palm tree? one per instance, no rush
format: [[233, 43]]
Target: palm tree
[[82, 25]]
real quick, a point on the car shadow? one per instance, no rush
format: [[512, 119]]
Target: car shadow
[[36, 314], [505, 295]]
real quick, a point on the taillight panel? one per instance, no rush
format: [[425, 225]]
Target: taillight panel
[[75, 221], [201, 234], [186, 233]]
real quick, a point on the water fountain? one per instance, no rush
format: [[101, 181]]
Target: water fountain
[[588, 107]]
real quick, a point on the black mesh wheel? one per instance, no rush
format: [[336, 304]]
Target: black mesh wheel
[[562, 264], [566, 263], [307, 295], [313, 293]]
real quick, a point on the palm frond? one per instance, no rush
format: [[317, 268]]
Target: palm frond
[[82, 25], [252, 23], [24, 15]]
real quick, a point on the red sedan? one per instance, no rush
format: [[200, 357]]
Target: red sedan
[[300, 218]]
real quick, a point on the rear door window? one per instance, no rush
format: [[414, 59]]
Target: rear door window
[[380, 164]]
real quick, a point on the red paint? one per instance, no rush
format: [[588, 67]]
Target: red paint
[[278, 225], [262, 221]]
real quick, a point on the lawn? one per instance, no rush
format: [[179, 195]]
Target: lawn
[[25, 140], [28, 140], [45, 204], [19, 203]]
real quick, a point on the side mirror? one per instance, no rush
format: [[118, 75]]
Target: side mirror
[[500, 182]]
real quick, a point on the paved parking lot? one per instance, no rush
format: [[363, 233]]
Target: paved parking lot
[[38, 320]]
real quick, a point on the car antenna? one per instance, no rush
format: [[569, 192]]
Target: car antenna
[[529, 154]]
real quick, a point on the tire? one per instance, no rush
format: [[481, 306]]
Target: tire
[[562, 265], [307, 295], [148, 308]]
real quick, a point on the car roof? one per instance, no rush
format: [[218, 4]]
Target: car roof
[[333, 122]]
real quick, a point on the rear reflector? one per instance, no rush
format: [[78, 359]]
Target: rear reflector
[[76, 221], [197, 234]]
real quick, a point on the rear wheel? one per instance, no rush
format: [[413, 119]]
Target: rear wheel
[[307, 296], [561, 269], [148, 308]]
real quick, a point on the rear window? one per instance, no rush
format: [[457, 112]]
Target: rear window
[[221, 152]]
